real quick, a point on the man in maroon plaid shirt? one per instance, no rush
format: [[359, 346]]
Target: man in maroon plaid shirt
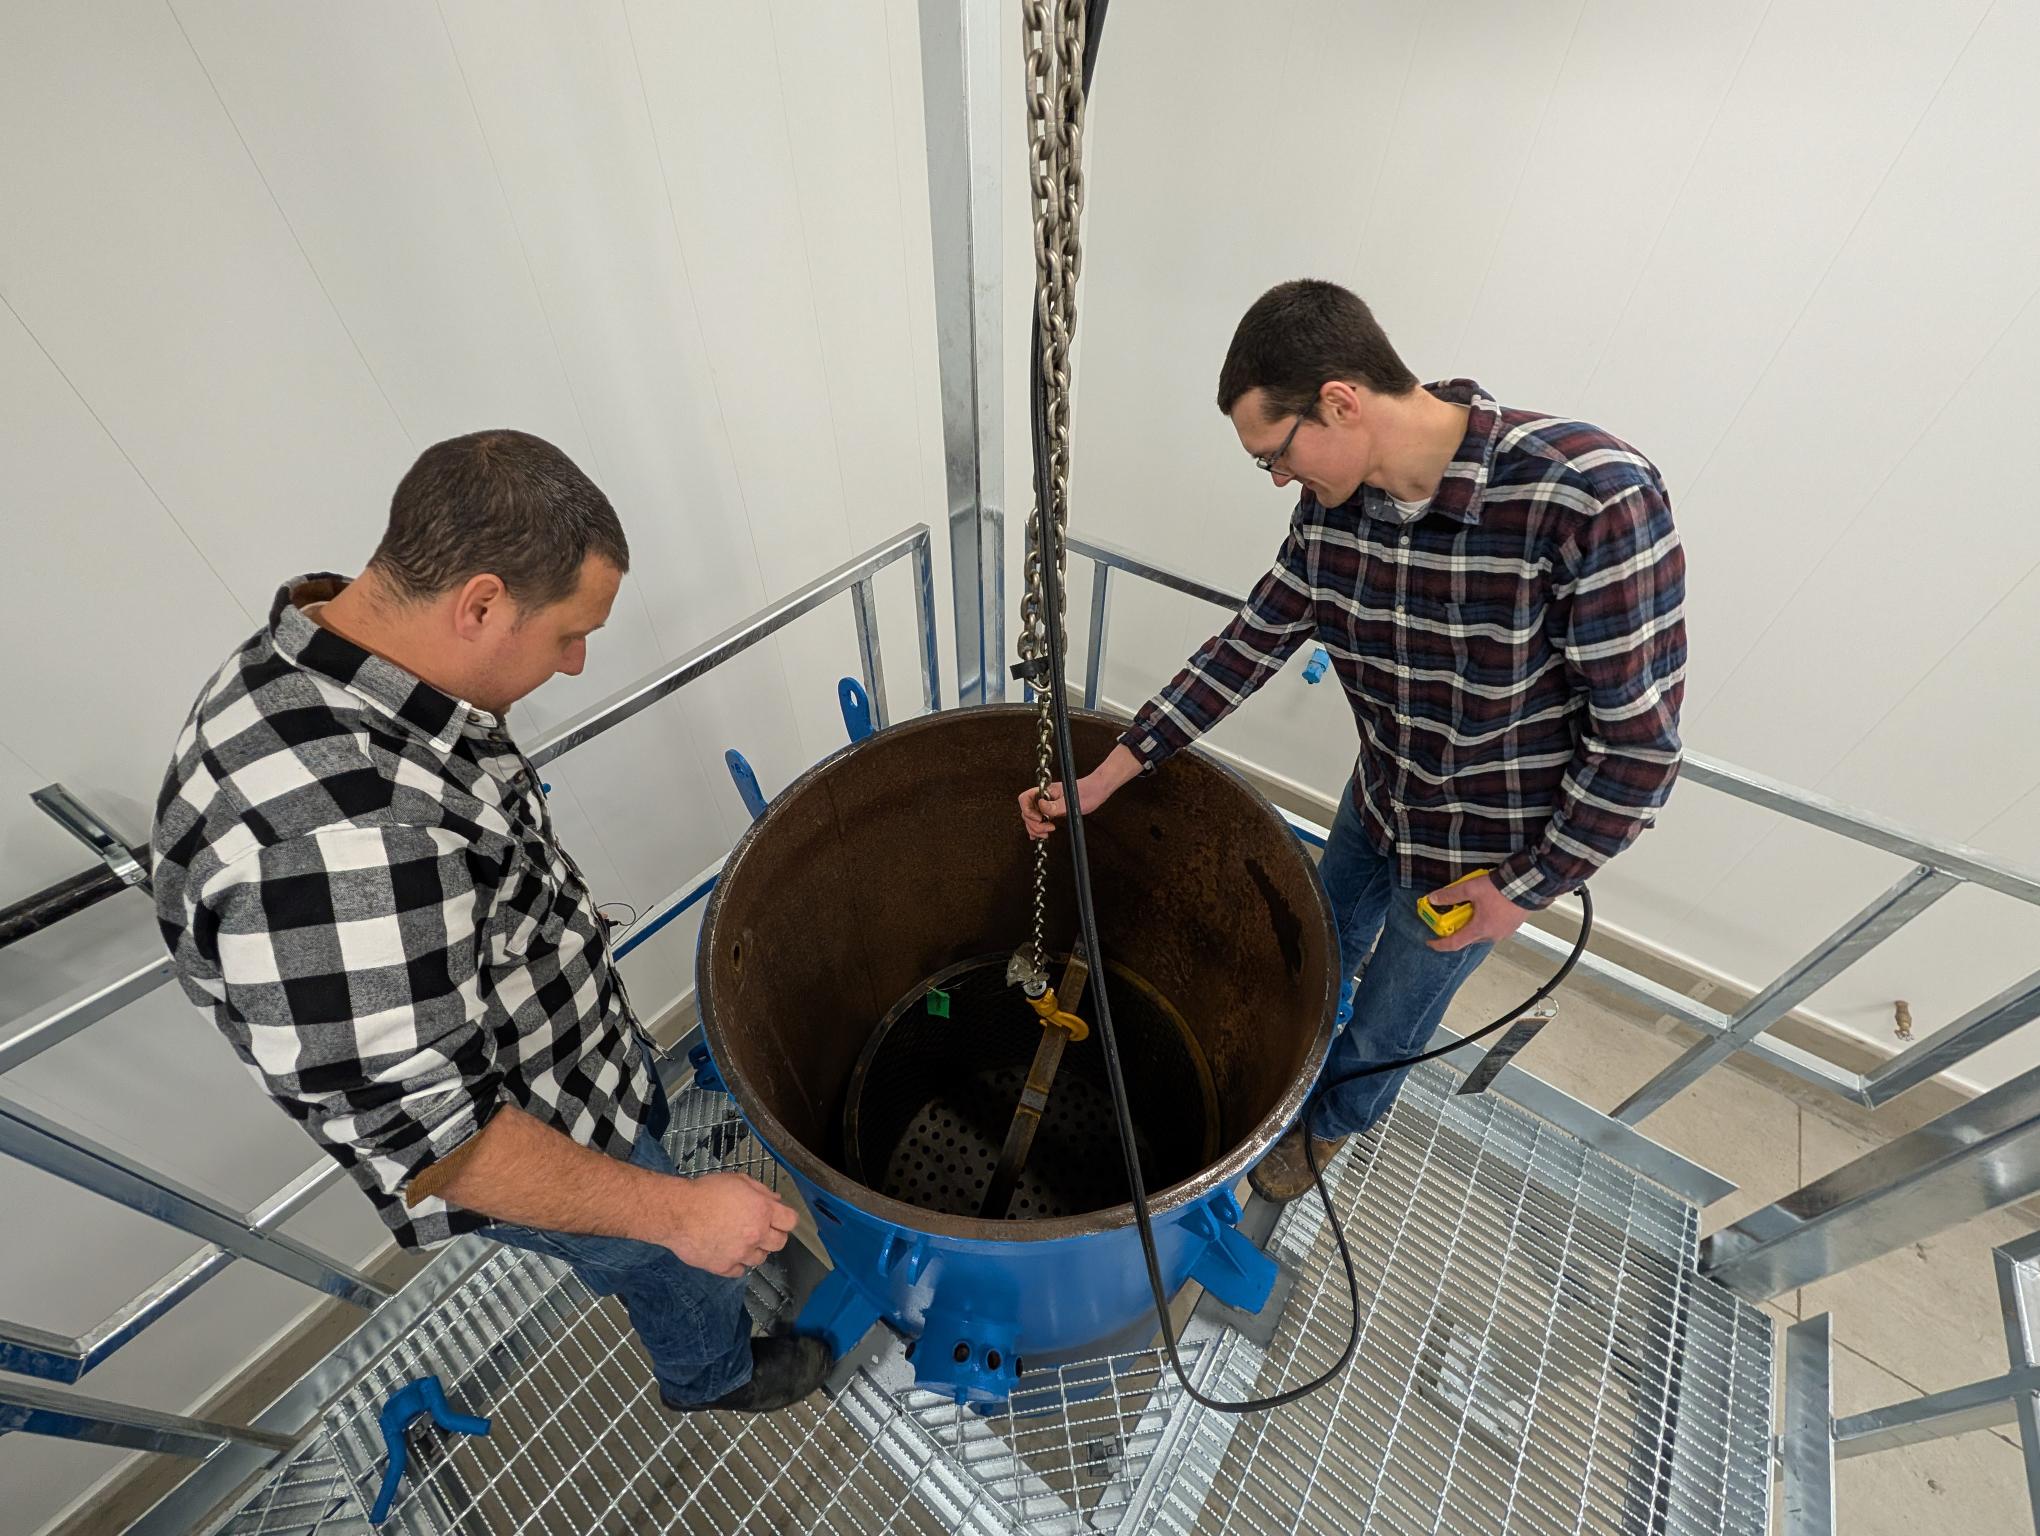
[[1501, 592]]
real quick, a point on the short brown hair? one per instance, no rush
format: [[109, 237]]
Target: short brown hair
[[501, 503], [1297, 338]]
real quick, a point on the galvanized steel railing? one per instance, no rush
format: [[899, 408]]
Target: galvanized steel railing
[[1813, 1440]]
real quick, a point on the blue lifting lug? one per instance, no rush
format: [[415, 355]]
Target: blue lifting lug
[[1231, 1267], [856, 705], [1225, 1205], [746, 780], [705, 1073], [905, 1253]]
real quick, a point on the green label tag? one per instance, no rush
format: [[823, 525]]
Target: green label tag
[[938, 1003]]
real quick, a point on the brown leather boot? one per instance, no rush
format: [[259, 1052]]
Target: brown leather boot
[[1285, 1172]]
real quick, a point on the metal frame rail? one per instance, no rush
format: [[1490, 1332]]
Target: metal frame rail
[[1813, 1439], [120, 868], [256, 1235]]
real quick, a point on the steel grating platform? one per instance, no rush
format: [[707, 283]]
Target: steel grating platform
[[1537, 1355]]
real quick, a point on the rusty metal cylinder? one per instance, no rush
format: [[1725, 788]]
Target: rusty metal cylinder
[[902, 858]]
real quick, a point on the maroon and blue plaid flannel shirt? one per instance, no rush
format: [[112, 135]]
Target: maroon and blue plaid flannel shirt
[[1515, 654]]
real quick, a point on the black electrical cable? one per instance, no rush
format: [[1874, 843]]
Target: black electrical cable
[[1549, 987], [1400, 1062], [1048, 541], [617, 927]]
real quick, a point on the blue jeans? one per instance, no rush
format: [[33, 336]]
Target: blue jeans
[[1404, 985], [692, 1323]]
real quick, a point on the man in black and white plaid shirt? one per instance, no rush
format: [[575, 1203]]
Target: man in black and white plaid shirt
[[357, 877]]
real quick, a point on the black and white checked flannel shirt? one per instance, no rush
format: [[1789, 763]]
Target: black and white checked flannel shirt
[[357, 877], [1514, 653]]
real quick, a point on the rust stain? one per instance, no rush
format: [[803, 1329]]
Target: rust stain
[[1287, 925]]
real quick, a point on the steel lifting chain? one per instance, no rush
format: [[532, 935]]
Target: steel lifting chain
[[1055, 121]]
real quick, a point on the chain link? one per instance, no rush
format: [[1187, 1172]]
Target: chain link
[[1055, 122]]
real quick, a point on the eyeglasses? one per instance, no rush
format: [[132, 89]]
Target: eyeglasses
[[1268, 461]]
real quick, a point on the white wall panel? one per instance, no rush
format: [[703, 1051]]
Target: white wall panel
[[1461, 153], [359, 122], [1596, 185], [1821, 107], [1843, 446], [561, 98], [144, 253], [1787, 251], [745, 247], [117, 630]]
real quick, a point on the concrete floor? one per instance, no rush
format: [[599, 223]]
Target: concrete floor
[[1918, 1320]]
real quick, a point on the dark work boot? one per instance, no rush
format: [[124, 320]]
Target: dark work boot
[[1285, 1172], [783, 1371]]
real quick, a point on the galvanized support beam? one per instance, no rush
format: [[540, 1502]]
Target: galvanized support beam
[[1625, 1144], [134, 1319], [138, 1315], [28, 1351], [1982, 1154], [927, 651], [2018, 1278], [961, 42], [58, 1357], [1124, 560], [56, 1149], [120, 867], [1912, 895], [1957, 1411], [1101, 617], [870, 662], [127, 865], [1807, 1444], [1813, 1441], [77, 1011], [72, 1416]]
